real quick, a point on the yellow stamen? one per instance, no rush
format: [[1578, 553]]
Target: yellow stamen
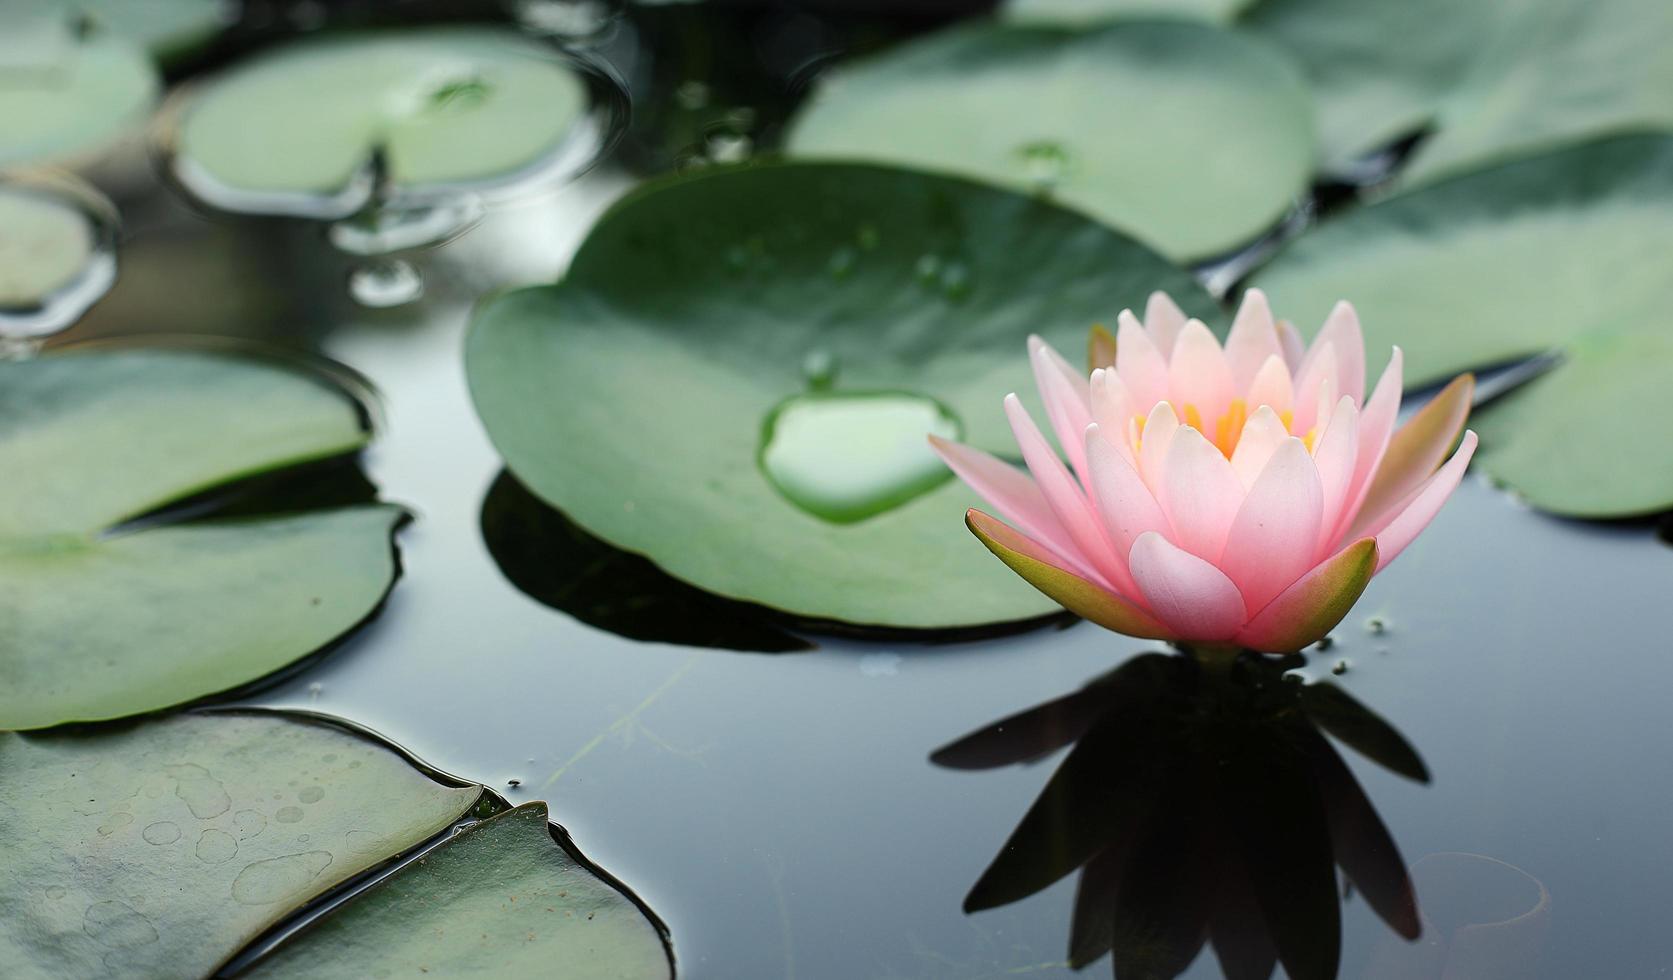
[[1193, 418], [1229, 429], [1288, 418], [1307, 440], [1138, 431]]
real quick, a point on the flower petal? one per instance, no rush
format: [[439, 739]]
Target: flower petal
[[1252, 340], [1201, 494], [1198, 375], [1415, 451], [1315, 381], [1140, 364], [1067, 399], [1341, 331], [1271, 386], [1011, 492], [1112, 410], [1085, 599], [1100, 348], [1411, 519], [1335, 452], [1153, 442], [1289, 338], [1190, 595], [1303, 613], [1376, 425], [1063, 495], [1271, 541], [1163, 319], [1125, 504], [1262, 435]]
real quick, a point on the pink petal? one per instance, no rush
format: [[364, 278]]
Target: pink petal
[[1271, 541], [1341, 331], [1164, 319], [1414, 452], [1376, 424], [1252, 340], [1142, 367], [1294, 349], [1112, 410], [1063, 495], [1009, 490], [1271, 386], [1125, 504], [1200, 493], [1262, 435], [1335, 453], [1316, 378], [1065, 393], [1190, 595], [1303, 613], [1084, 598], [1159, 429], [1198, 374], [1424, 504]]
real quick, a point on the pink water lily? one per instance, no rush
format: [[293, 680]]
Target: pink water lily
[[1216, 495]]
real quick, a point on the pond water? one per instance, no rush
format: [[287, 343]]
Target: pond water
[[780, 811]]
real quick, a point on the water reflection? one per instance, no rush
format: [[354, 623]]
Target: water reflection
[[1202, 805], [553, 560]]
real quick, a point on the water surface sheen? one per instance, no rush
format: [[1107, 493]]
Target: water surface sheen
[[781, 812]]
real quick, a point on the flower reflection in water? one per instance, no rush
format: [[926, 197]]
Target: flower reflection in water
[[1203, 805]]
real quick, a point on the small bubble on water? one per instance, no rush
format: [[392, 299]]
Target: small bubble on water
[[819, 368], [1339, 668], [1376, 625], [1045, 163], [386, 283], [571, 20], [691, 94], [727, 147], [514, 783], [1325, 643]]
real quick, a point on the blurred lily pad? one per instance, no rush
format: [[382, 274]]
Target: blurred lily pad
[[66, 95], [501, 898], [57, 252], [635, 395], [1558, 252], [1192, 138], [1092, 11], [167, 28], [106, 617], [310, 127], [162, 848], [555, 561]]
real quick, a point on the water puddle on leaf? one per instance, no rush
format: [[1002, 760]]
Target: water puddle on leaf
[[846, 457]]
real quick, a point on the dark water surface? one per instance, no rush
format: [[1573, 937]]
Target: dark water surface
[[780, 811]]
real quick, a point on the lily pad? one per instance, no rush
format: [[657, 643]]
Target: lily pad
[[635, 395], [161, 849], [167, 28], [501, 898], [57, 254], [106, 618], [1091, 11], [1193, 138], [310, 126], [1561, 252], [1370, 90], [68, 96], [1554, 74]]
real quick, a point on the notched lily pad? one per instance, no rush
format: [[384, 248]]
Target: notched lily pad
[[1559, 252], [68, 96], [105, 617], [634, 396], [1193, 138], [308, 128], [160, 849], [501, 898]]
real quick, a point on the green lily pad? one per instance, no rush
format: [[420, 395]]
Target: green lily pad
[[1092, 11], [47, 243], [1557, 73], [1193, 138], [161, 849], [1562, 251], [1370, 90], [501, 898], [635, 395], [105, 619], [66, 96], [167, 28], [297, 129]]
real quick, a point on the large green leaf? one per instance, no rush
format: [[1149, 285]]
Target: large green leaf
[[1371, 88], [633, 395], [104, 620], [65, 96], [1562, 251], [161, 849], [499, 899], [293, 129], [1191, 137]]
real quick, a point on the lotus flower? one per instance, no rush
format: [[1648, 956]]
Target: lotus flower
[[1216, 496]]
